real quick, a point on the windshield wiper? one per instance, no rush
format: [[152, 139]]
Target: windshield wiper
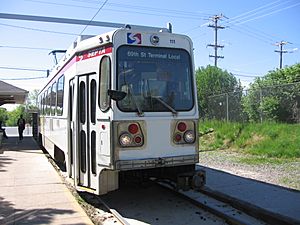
[[174, 112], [139, 111]]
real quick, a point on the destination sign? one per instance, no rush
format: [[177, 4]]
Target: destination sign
[[152, 55]]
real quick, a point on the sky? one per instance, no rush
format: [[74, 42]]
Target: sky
[[251, 31]]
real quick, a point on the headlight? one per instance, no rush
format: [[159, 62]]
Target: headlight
[[189, 136], [125, 139]]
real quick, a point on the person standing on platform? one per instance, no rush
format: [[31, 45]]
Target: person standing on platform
[[3, 130], [21, 126]]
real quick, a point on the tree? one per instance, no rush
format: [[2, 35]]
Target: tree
[[3, 115], [275, 97], [212, 81], [11, 118], [31, 101], [14, 115]]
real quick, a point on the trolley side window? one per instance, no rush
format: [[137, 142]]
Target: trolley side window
[[105, 72], [60, 95], [93, 101], [48, 100], [43, 103], [82, 102], [93, 152], [53, 99], [82, 151]]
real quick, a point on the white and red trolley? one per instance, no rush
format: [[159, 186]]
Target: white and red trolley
[[121, 102]]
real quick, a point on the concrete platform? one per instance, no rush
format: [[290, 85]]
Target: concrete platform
[[31, 191], [278, 205]]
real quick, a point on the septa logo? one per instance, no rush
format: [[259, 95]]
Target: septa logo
[[134, 38]]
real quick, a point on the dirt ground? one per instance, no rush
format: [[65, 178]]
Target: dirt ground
[[282, 173]]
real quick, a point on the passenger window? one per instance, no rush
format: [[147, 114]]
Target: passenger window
[[105, 70], [93, 152], [82, 151], [82, 102], [71, 102], [43, 104], [48, 103], [53, 99], [93, 101], [60, 95]]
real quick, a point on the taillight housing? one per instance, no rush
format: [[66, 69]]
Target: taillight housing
[[130, 134], [184, 132]]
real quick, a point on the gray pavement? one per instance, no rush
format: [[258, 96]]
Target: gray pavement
[[31, 191], [278, 204]]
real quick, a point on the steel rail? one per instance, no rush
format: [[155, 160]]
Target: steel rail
[[222, 209], [114, 212]]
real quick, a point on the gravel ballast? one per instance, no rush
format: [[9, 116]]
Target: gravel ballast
[[283, 173]]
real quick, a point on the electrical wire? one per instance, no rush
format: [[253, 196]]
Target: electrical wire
[[250, 34], [19, 68], [169, 14], [23, 47], [93, 17], [147, 8], [253, 12], [25, 78], [35, 29], [263, 34], [245, 75], [276, 11], [255, 33]]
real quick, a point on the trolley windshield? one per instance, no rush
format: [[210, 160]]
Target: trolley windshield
[[155, 79]]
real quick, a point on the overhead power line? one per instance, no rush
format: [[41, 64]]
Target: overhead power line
[[35, 29], [24, 47], [253, 12], [18, 68], [25, 78], [260, 12], [163, 12], [245, 75], [251, 34], [145, 8], [94, 16], [264, 15]]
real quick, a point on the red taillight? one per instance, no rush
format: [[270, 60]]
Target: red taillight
[[138, 139], [130, 134], [181, 126], [184, 132], [177, 137], [133, 128]]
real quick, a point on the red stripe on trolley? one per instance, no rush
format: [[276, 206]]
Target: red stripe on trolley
[[93, 53]]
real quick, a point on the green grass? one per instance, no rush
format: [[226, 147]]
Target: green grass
[[268, 139]]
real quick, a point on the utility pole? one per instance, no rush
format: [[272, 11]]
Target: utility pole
[[215, 20], [281, 51]]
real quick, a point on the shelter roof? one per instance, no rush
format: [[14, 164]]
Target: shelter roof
[[11, 94]]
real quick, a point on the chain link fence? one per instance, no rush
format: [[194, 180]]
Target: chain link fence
[[279, 103]]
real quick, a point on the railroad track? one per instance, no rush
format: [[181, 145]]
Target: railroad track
[[151, 205], [115, 213], [223, 210], [202, 199], [213, 204]]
